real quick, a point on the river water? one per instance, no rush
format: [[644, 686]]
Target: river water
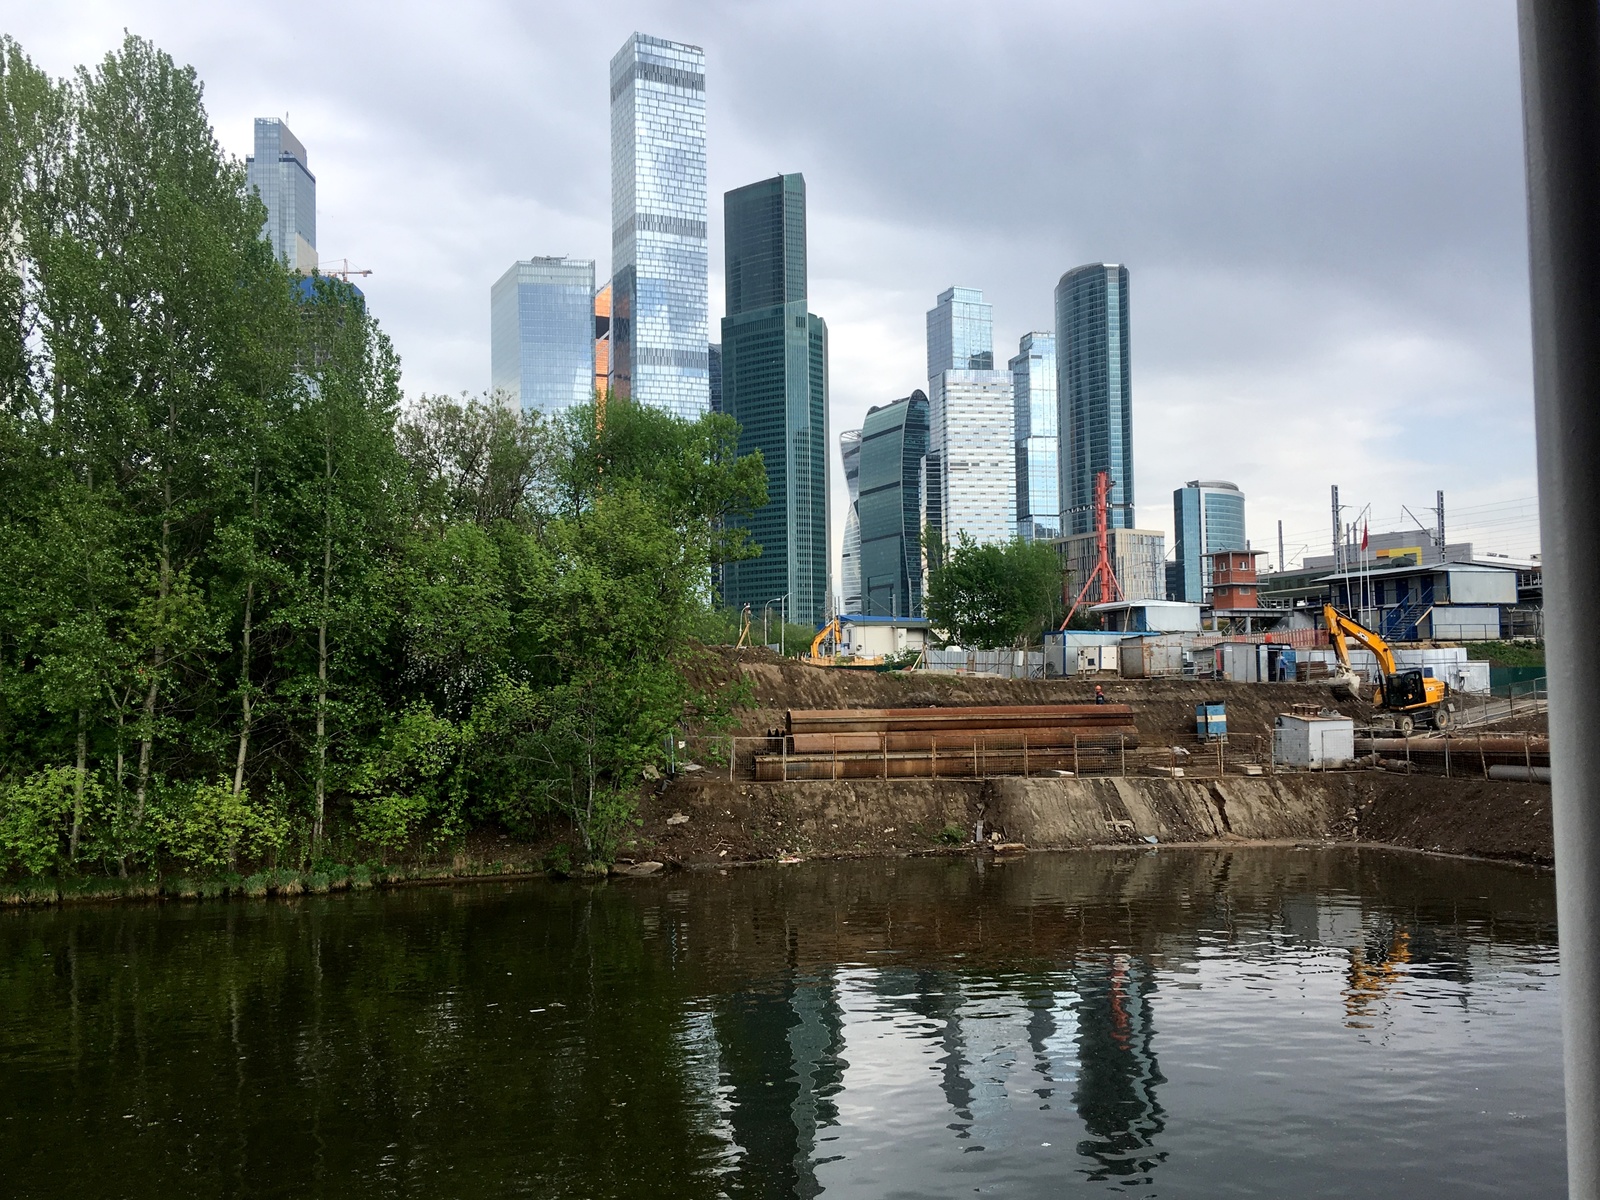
[[1265, 1022]]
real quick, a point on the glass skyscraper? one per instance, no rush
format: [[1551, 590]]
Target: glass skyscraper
[[279, 172], [1033, 384], [971, 472], [894, 443], [1207, 516], [850, 554], [659, 324], [542, 334], [1095, 397], [775, 384]]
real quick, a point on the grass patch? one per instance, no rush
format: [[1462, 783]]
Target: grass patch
[[1508, 654]]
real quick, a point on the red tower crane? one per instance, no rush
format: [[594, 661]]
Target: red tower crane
[[1102, 576]]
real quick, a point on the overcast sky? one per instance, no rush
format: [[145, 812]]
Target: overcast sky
[[1321, 206]]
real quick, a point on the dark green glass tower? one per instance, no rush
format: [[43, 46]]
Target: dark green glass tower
[[775, 384]]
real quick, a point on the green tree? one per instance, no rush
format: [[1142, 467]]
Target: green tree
[[992, 596]]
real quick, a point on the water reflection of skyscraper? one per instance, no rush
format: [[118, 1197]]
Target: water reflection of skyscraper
[[779, 1051], [1117, 1070]]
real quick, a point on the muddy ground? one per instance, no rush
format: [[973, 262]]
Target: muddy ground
[[704, 818]]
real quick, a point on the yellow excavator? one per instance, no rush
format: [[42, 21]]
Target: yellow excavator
[[831, 632], [1407, 693]]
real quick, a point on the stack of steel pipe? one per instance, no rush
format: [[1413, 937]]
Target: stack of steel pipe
[[949, 743]]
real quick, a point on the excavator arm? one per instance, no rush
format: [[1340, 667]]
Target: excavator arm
[[830, 629], [1341, 627]]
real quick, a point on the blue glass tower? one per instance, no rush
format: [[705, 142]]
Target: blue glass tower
[[278, 171], [542, 334], [659, 344], [1207, 516], [1094, 394], [1033, 386], [775, 384]]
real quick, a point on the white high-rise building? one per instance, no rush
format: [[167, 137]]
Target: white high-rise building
[[278, 171], [971, 470], [659, 344]]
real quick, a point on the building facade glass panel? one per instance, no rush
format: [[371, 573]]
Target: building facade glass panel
[[1033, 376], [278, 171], [775, 384], [1094, 394], [971, 473], [542, 334], [1207, 516], [894, 443], [659, 325], [850, 555]]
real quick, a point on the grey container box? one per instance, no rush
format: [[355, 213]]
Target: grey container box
[[1313, 743]]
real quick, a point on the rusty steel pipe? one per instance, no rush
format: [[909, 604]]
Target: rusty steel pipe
[[958, 739]]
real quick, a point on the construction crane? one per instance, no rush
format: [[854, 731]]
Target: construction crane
[[343, 271], [1408, 694], [1102, 574]]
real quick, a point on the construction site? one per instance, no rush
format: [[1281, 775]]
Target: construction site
[[827, 762]]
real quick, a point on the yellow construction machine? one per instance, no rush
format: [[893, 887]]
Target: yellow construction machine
[[1408, 694], [830, 632]]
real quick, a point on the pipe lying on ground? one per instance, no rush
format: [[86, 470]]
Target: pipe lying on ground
[[771, 768], [1520, 773], [861, 720], [962, 739], [1502, 744]]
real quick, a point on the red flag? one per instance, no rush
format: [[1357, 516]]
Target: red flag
[[1363, 535]]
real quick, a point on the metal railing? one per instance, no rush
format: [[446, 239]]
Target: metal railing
[[734, 759], [1526, 697]]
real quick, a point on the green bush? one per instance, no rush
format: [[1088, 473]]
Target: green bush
[[36, 817], [206, 825], [952, 835]]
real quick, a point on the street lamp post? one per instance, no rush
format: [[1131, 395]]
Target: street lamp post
[[783, 619]]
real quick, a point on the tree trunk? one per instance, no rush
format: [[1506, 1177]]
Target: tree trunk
[[78, 783], [147, 736], [322, 660], [244, 650], [244, 692]]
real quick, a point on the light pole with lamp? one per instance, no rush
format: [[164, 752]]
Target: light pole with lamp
[[783, 619]]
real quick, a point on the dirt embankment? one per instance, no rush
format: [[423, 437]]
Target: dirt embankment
[[705, 818]]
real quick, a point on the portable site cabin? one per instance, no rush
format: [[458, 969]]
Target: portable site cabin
[[1315, 743]]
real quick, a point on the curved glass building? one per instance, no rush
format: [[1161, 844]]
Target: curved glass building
[[894, 439], [1094, 394], [850, 555]]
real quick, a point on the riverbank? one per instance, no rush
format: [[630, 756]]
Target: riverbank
[[698, 823], [704, 819]]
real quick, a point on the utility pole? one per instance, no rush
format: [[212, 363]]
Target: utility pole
[[1338, 541], [1282, 566], [1439, 532]]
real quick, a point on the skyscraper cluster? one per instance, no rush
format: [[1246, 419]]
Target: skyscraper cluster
[[557, 338], [996, 454], [984, 453]]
